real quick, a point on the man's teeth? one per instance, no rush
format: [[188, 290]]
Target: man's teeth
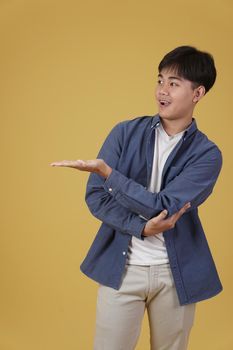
[[164, 103]]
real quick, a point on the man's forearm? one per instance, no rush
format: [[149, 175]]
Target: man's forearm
[[193, 185], [109, 211]]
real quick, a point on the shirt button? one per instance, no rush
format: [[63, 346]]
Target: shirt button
[[124, 253], [110, 189]]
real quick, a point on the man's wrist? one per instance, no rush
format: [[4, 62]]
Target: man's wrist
[[104, 170]]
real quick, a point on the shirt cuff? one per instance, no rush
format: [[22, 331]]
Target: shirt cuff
[[112, 186], [113, 182]]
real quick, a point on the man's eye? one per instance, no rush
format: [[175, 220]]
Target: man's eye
[[173, 84], [160, 82]]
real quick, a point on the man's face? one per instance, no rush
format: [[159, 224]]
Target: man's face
[[175, 96]]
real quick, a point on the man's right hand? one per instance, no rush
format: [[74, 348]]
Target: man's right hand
[[160, 224]]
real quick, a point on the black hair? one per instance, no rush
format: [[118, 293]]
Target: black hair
[[191, 64]]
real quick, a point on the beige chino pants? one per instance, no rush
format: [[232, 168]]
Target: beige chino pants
[[120, 312]]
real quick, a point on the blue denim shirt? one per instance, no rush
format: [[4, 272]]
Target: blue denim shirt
[[121, 200]]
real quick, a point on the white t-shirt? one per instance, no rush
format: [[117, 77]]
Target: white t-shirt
[[152, 250]]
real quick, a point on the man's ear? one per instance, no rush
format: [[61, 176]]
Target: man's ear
[[199, 92]]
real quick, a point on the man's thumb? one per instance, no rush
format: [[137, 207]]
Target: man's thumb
[[164, 212]]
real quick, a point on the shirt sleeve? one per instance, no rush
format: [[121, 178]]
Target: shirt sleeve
[[101, 203], [194, 184]]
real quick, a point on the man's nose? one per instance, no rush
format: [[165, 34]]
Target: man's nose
[[164, 90]]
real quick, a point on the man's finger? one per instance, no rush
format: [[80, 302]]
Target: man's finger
[[161, 216], [79, 164], [184, 208], [62, 163], [177, 215]]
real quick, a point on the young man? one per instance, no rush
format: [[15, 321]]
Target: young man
[[146, 184]]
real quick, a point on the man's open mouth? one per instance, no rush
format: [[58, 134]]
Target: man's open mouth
[[164, 103]]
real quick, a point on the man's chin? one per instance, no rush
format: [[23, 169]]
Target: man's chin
[[166, 116]]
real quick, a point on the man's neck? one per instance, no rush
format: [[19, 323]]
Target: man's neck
[[173, 127]]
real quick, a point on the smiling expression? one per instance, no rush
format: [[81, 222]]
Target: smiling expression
[[176, 96]]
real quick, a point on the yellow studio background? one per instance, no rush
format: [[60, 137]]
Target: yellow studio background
[[70, 70]]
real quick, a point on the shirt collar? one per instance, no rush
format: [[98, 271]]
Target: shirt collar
[[190, 129]]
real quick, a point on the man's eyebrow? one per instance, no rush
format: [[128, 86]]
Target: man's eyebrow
[[171, 77]]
